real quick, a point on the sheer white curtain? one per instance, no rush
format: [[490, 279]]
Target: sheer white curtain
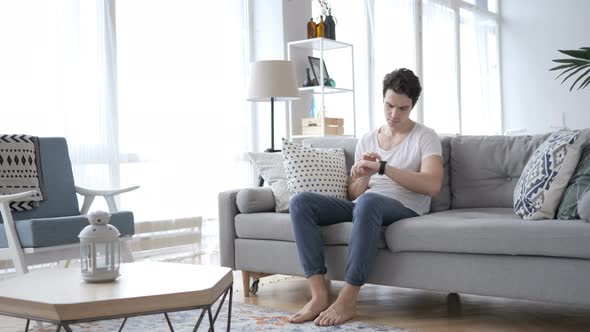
[[183, 114], [148, 93], [394, 46], [480, 75], [439, 79], [52, 82]]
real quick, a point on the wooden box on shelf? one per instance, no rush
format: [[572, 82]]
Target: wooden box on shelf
[[313, 126]]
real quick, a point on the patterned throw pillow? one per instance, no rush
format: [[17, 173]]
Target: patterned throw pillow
[[584, 207], [317, 170], [270, 167], [578, 185], [546, 175]]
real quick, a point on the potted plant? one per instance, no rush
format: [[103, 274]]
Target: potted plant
[[579, 61]]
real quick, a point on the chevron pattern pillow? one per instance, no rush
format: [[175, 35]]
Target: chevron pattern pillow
[[546, 176], [316, 170]]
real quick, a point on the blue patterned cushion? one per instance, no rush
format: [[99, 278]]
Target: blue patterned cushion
[[546, 175]]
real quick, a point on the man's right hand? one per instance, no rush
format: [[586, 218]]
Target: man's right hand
[[371, 156]]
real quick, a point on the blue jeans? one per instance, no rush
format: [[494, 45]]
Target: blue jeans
[[371, 211]]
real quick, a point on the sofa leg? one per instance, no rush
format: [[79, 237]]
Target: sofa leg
[[454, 305], [246, 283]]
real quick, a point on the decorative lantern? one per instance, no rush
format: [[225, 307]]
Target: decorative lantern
[[99, 249]]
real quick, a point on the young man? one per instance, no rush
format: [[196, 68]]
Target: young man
[[398, 168]]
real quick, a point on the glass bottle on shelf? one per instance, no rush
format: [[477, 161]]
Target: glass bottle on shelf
[[330, 27], [311, 28], [321, 28]]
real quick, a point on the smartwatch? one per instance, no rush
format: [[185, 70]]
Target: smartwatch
[[382, 164]]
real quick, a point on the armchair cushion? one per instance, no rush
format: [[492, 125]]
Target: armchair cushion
[[45, 232]]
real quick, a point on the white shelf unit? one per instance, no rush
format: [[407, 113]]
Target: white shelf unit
[[298, 52]]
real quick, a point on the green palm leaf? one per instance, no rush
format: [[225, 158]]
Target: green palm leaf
[[580, 60]]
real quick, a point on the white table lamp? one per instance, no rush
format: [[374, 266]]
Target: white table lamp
[[272, 80]]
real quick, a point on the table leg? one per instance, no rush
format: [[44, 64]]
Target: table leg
[[231, 292], [169, 323], [211, 327], [123, 324], [220, 305], [27, 325], [199, 321]]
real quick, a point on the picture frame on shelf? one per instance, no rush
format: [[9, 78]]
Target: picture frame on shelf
[[315, 68]]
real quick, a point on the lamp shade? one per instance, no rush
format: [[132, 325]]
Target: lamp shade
[[272, 78]]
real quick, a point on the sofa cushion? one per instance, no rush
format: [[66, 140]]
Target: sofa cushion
[[277, 226], [495, 231], [485, 169], [546, 175], [258, 199], [270, 166], [317, 170], [45, 232]]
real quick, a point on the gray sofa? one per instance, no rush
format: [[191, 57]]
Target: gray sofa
[[471, 242]]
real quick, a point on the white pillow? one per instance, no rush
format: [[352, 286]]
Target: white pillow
[[270, 167], [546, 175], [316, 170]]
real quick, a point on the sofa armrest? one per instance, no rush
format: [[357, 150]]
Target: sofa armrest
[[228, 209]]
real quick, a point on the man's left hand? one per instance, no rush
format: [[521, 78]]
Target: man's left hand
[[365, 168]]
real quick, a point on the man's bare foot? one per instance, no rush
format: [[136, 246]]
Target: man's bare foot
[[311, 310], [339, 312]]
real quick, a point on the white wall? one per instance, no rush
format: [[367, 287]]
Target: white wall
[[531, 33]]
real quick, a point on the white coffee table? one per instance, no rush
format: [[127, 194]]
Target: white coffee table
[[60, 296]]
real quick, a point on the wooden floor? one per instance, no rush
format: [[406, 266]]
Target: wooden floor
[[429, 311]]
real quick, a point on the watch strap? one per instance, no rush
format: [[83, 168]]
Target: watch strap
[[382, 164]]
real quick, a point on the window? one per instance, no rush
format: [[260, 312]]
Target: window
[[452, 45], [151, 96]]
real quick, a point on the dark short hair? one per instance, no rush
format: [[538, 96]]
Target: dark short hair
[[403, 81]]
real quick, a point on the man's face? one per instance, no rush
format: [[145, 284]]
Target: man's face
[[397, 108]]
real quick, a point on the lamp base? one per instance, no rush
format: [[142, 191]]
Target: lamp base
[[271, 150]]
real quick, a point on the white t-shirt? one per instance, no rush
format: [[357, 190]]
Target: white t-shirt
[[420, 143]]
